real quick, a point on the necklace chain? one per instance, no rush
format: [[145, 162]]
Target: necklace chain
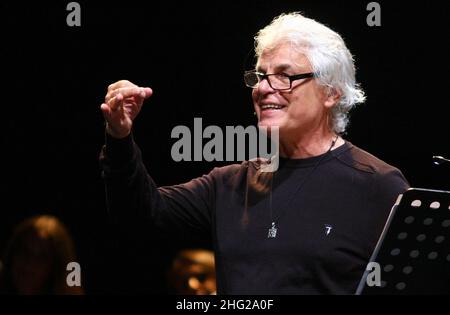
[[273, 230]]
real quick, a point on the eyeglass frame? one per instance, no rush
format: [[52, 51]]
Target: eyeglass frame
[[261, 76]]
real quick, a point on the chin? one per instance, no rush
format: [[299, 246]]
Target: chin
[[269, 123]]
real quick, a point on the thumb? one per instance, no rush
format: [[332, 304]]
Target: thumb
[[110, 115], [106, 110]]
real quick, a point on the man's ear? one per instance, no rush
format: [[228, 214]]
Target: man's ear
[[333, 97]]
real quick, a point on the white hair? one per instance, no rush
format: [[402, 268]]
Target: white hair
[[326, 51]]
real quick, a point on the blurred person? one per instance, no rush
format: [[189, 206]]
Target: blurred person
[[36, 258], [193, 273]]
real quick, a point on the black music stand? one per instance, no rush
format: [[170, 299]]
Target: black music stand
[[413, 251]]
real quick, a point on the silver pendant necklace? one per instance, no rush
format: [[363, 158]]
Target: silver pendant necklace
[[273, 229]]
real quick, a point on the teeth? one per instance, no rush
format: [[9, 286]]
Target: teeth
[[271, 106]]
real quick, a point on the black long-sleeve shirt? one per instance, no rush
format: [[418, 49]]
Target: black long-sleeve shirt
[[329, 211]]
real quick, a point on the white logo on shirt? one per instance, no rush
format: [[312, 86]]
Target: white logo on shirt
[[328, 229]]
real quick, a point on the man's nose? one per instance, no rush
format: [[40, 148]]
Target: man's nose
[[264, 86]]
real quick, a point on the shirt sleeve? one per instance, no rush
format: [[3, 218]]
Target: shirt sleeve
[[183, 210]]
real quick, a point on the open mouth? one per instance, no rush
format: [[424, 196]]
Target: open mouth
[[271, 107]]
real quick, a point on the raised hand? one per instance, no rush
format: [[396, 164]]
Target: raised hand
[[123, 102]]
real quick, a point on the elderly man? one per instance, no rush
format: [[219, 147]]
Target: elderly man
[[308, 228]]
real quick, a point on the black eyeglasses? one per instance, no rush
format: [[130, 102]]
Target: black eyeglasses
[[277, 81]]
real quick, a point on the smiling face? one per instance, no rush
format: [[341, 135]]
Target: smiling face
[[301, 109]]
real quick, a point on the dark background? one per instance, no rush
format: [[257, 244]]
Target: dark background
[[192, 54]]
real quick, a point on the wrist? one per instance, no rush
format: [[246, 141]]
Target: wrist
[[117, 135]]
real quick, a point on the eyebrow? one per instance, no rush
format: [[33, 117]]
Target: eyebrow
[[283, 66], [278, 68]]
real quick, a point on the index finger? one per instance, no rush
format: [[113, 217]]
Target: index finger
[[120, 84], [126, 92], [116, 102]]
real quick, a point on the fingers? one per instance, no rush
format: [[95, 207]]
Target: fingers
[[148, 92], [137, 93], [120, 84], [125, 91], [116, 102]]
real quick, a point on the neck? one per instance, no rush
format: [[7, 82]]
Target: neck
[[309, 145]]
